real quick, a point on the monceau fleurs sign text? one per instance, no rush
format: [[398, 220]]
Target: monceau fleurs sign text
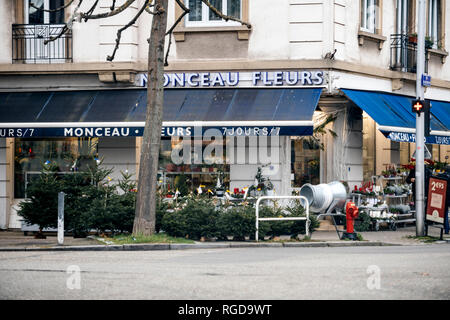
[[240, 79]]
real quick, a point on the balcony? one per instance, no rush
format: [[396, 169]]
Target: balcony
[[28, 44], [404, 53]]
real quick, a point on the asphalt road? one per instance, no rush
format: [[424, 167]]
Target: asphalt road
[[413, 272]]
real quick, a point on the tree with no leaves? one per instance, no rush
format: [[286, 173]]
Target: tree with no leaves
[[144, 221]]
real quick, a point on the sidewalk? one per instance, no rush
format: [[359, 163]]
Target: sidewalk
[[399, 237], [16, 241]]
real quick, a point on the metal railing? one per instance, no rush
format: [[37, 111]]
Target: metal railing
[[301, 198], [404, 53], [28, 44]]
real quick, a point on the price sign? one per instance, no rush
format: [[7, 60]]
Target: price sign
[[436, 208]]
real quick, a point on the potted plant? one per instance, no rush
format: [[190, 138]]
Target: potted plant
[[429, 42], [220, 189], [412, 38], [170, 167]]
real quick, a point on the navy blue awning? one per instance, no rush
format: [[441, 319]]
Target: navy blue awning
[[121, 112], [395, 119]]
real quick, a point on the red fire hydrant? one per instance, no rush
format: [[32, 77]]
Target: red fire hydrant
[[351, 213]]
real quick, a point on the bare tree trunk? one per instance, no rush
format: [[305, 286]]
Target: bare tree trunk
[[144, 221]]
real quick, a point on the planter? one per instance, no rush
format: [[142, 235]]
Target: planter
[[40, 235], [412, 39], [171, 167], [219, 193]]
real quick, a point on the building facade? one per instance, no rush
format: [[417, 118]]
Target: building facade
[[346, 66]]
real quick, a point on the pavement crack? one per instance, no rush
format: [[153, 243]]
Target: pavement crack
[[43, 270]]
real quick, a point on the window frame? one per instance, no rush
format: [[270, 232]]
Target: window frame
[[373, 34], [435, 23], [46, 15], [26, 7], [364, 21], [213, 23], [20, 172], [242, 32]]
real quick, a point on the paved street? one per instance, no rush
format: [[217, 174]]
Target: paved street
[[405, 272]]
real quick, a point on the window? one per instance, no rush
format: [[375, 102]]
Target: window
[[35, 16], [201, 15], [405, 20], [434, 24], [369, 147], [69, 154], [305, 162], [35, 28], [369, 18], [201, 168]]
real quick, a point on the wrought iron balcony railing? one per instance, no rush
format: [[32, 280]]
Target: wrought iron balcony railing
[[404, 53], [28, 44]]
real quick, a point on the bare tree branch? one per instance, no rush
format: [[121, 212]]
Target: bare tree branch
[[166, 62], [224, 17], [91, 10], [110, 13], [185, 12], [147, 9], [119, 32], [67, 26], [51, 10], [63, 31]]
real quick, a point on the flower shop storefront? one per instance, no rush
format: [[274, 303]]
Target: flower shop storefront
[[228, 133], [389, 130], [394, 117], [386, 193]]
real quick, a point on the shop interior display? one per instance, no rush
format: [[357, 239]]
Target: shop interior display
[[386, 199]]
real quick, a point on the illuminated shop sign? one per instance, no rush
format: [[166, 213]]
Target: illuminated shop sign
[[166, 131], [411, 137], [243, 79]]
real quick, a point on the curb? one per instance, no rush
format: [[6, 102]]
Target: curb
[[184, 246]]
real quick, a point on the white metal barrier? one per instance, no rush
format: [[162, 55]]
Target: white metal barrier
[[301, 198]]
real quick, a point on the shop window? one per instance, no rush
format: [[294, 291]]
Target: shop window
[[201, 15], [369, 147], [405, 152], [203, 163], [68, 154], [305, 162]]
